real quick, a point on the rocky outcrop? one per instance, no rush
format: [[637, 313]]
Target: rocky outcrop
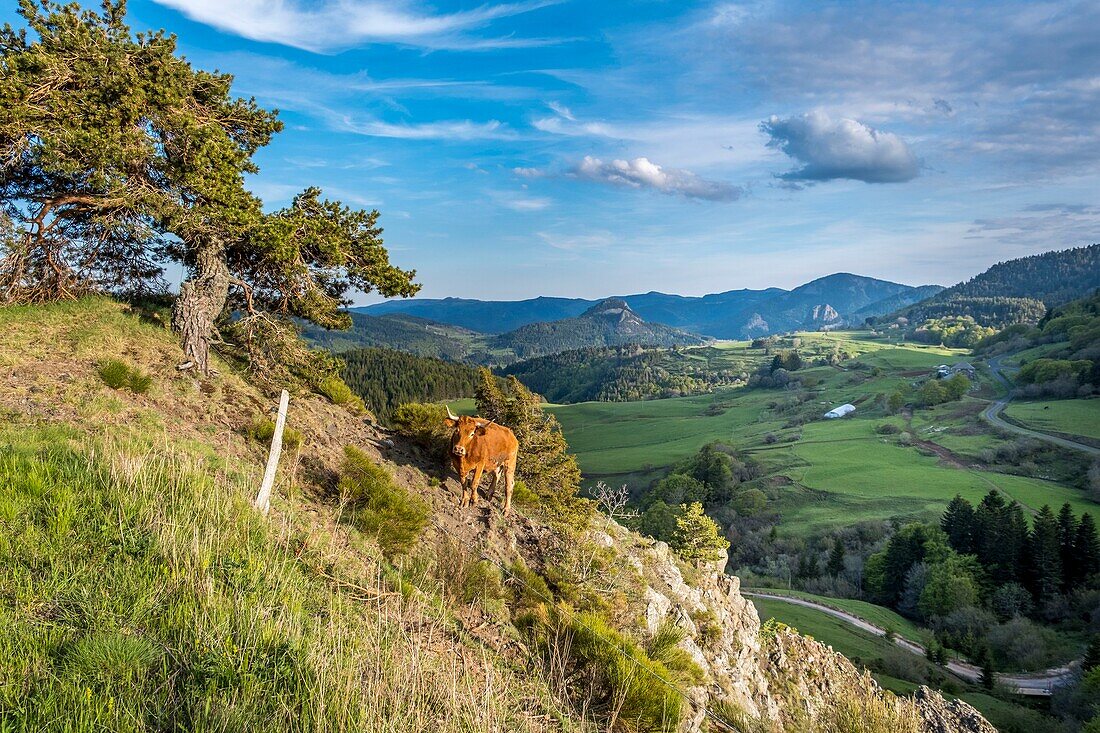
[[947, 716], [774, 677], [823, 315]]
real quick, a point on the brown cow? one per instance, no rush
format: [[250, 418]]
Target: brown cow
[[480, 445]]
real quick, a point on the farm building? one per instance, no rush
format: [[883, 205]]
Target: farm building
[[943, 371], [840, 412]]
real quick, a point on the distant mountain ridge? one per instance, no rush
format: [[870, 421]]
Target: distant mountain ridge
[[730, 314], [611, 322]]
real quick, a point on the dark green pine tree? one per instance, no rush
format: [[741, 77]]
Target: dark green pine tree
[[1000, 535], [1044, 556], [836, 559], [1087, 548], [984, 660], [1067, 539], [1091, 660], [958, 524]]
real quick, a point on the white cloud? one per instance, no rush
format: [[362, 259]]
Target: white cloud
[[831, 148], [643, 173], [562, 111], [439, 130], [334, 24]]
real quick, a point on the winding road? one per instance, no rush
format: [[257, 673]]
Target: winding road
[[1041, 684], [992, 415]]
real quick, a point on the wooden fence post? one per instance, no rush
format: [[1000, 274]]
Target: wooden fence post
[[263, 499]]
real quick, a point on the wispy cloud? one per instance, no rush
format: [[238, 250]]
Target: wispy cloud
[[332, 25], [642, 173], [842, 148], [438, 130]]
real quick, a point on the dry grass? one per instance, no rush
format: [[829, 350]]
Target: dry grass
[[151, 569]]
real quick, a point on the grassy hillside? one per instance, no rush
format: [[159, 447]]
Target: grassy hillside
[[1072, 417], [825, 475], [141, 590]]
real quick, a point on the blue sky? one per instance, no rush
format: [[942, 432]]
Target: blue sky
[[586, 148]]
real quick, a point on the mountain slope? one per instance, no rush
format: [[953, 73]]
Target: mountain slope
[[1052, 277], [608, 323], [1015, 291], [731, 314], [400, 331], [141, 588]]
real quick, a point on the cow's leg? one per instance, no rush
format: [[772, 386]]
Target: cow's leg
[[466, 478], [474, 483], [498, 474], [509, 484]]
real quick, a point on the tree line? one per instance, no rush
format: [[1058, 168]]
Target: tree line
[[385, 379], [621, 374], [983, 565]]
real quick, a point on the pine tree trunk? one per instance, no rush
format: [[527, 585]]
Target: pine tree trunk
[[201, 301]]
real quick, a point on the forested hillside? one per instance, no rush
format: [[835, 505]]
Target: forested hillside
[[1066, 357], [386, 379], [398, 331], [1016, 291], [625, 373]]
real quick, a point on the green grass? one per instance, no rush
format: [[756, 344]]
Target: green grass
[[622, 437], [140, 589], [845, 473], [878, 615], [1072, 417], [840, 635]]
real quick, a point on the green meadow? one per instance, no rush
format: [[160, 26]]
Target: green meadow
[[880, 616], [838, 472], [1075, 417]]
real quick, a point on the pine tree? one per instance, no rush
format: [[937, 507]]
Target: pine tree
[[697, 536], [984, 660], [1091, 659], [1087, 548], [836, 559], [120, 154], [1044, 555], [544, 464], [1067, 539], [958, 524]]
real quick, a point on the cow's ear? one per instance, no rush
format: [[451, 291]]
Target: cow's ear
[[482, 427], [450, 423]]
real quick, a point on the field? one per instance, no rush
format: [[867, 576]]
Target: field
[[836, 473], [843, 472], [1074, 417], [880, 616]]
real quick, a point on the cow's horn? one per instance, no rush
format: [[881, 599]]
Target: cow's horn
[[451, 415]]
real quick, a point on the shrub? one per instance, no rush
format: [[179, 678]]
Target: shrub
[[633, 691], [118, 375], [339, 393], [262, 430], [697, 536], [378, 506], [887, 429], [522, 495], [423, 424], [483, 582]]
